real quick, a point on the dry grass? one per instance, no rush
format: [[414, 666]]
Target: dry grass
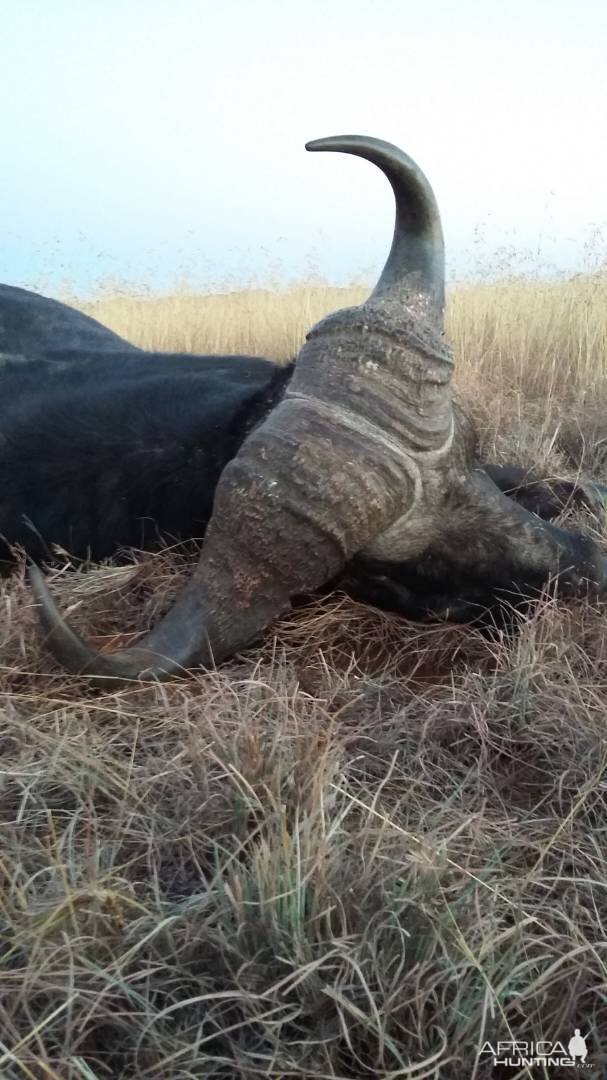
[[258, 321], [361, 849]]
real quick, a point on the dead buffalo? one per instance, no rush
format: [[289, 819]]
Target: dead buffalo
[[363, 461]]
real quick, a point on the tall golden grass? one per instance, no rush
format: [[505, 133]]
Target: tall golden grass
[[362, 849], [526, 337]]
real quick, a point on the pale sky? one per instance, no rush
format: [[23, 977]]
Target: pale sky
[[152, 140]]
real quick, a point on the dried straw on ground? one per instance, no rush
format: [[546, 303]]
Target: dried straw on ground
[[363, 848]]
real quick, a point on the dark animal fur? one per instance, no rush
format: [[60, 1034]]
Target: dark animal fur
[[32, 326], [122, 449]]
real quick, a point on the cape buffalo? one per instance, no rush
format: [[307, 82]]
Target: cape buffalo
[[363, 459], [111, 447]]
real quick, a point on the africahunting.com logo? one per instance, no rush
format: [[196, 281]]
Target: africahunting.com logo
[[519, 1054]]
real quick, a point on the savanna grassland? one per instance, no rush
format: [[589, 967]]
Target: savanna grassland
[[361, 849]]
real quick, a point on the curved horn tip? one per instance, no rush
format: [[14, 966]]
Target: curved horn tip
[[64, 643], [326, 142], [105, 671], [349, 142], [67, 647], [415, 268]]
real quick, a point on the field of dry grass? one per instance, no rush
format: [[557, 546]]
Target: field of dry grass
[[363, 848]]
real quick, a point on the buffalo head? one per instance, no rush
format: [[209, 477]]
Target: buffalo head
[[365, 454]]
